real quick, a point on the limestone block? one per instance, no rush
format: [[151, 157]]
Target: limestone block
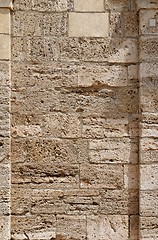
[[59, 5], [147, 4], [101, 176], [36, 227], [149, 177], [149, 203], [109, 125], [148, 23], [107, 227], [120, 202], [131, 23], [21, 200], [149, 49], [5, 227], [4, 176], [89, 5], [149, 125], [55, 176], [148, 227], [39, 77], [148, 70], [5, 3], [5, 21], [117, 5], [71, 227], [4, 149], [4, 47], [88, 24], [4, 201], [99, 49], [26, 131], [148, 150], [113, 150], [131, 176], [82, 201], [47, 201], [47, 150], [93, 75], [4, 73]]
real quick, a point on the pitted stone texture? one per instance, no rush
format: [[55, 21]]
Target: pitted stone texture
[[4, 201], [149, 228], [88, 24], [117, 5], [89, 5], [4, 47], [101, 176], [149, 125], [35, 227], [107, 227], [71, 227], [147, 4], [5, 21], [113, 150], [149, 177], [148, 150], [146, 16], [4, 73], [148, 49], [4, 227], [149, 203]]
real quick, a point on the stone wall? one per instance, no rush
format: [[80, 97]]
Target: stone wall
[[84, 120]]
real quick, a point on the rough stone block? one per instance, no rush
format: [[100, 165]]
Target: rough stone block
[[131, 23], [5, 21], [55, 176], [4, 73], [4, 227], [89, 5], [148, 150], [149, 125], [149, 177], [4, 201], [149, 203], [35, 227], [113, 150], [88, 24], [5, 176], [4, 149], [116, 24], [147, 4], [109, 125], [107, 227], [99, 49], [5, 3], [120, 202], [101, 176], [149, 49], [71, 227], [117, 5], [149, 228], [146, 17], [4, 47]]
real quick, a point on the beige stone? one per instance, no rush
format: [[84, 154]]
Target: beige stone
[[149, 203], [71, 227], [134, 227], [146, 16], [131, 176], [148, 228], [89, 5], [147, 4], [107, 227], [6, 3], [4, 47], [101, 176], [116, 5], [148, 150], [5, 227], [149, 177], [88, 24], [148, 48], [5, 21]]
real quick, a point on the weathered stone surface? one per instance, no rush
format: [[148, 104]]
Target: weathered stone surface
[[149, 227], [4, 73], [149, 203], [120, 202], [147, 4], [101, 176], [4, 149], [97, 24], [149, 125], [134, 227], [4, 47], [130, 20], [149, 177], [89, 5], [35, 227], [146, 16], [149, 46], [5, 176], [5, 3], [4, 227], [107, 227], [4, 201], [71, 227], [148, 150], [117, 5], [131, 176], [113, 150], [4, 21]]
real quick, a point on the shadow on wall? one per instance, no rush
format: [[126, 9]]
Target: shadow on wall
[[75, 119]]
